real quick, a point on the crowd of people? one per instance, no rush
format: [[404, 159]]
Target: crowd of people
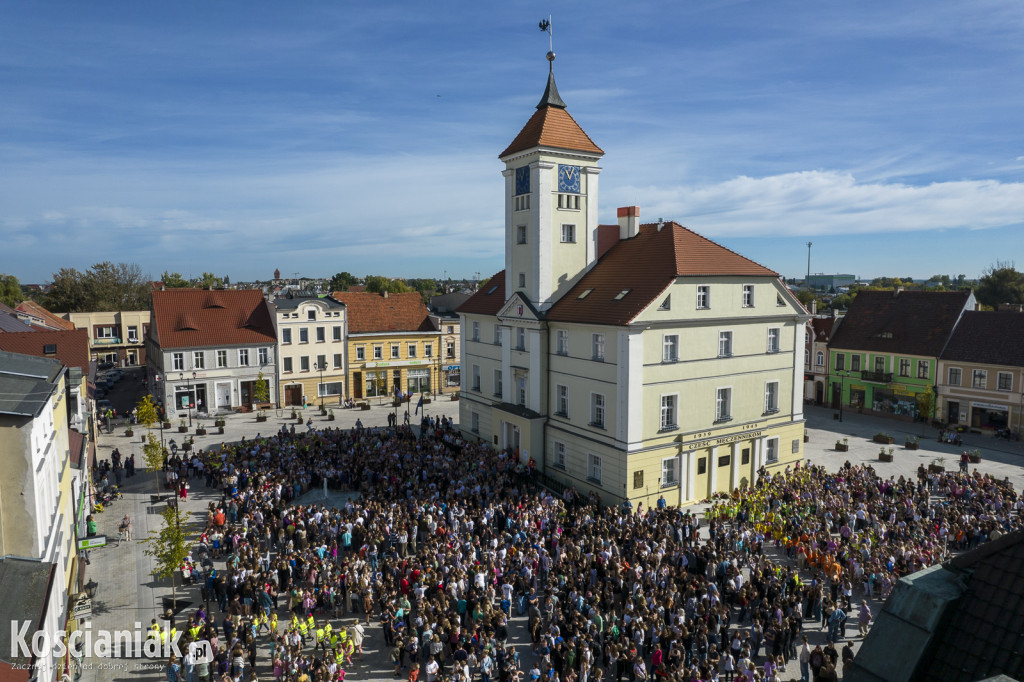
[[448, 540]]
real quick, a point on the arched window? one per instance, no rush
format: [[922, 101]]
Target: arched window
[[820, 358], [807, 358]]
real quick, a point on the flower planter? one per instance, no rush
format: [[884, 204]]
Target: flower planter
[[911, 446], [186, 446], [261, 418], [129, 433], [364, 406], [842, 447], [167, 425], [426, 401], [220, 430], [885, 457], [330, 417], [200, 432], [182, 429], [807, 439], [974, 459], [455, 398], [936, 469], [884, 440]]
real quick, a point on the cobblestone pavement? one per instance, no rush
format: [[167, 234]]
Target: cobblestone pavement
[[128, 593]]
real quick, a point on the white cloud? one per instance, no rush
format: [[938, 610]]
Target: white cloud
[[830, 203]]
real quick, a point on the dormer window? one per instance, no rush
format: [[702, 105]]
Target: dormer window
[[621, 295], [884, 335]]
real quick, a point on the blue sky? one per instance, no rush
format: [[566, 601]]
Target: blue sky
[[325, 136]]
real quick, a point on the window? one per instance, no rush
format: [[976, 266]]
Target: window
[[597, 410], [670, 348], [807, 358], [337, 361], [562, 400], [748, 295], [703, 297], [321, 334], [795, 446], [450, 329], [520, 338], [562, 342], [668, 412], [178, 360], [594, 468], [304, 363], [702, 466], [286, 336], [773, 339], [378, 351], [521, 391], [523, 202], [360, 352], [520, 234], [854, 363], [723, 461], [476, 331], [450, 349], [395, 351], [287, 364], [303, 335], [133, 334], [880, 364], [980, 379], [954, 376], [311, 314], [638, 479], [497, 334], [771, 449], [597, 347], [474, 422], [336, 333], [331, 388], [569, 202], [922, 369], [819, 358], [222, 358], [724, 344], [198, 360], [497, 383], [321, 363], [669, 472], [476, 377], [428, 350], [106, 332], [840, 361], [558, 456], [522, 280], [1004, 381], [778, 301], [243, 357], [568, 234], [412, 350], [904, 367], [666, 304], [771, 397], [621, 295], [723, 404]]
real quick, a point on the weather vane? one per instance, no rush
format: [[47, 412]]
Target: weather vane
[[545, 25]]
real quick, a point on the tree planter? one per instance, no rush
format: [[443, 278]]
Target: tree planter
[[167, 425], [936, 469], [884, 440], [129, 433], [186, 446], [455, 398], [426, 401], [910, 446], [807, 439], [261, 418], [220, 430], [330, 417], [975, 459], [364, 406], [885, 457], [842, 447], [182, 429], [200, 432]]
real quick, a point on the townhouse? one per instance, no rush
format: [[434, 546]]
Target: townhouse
[[311, 349]]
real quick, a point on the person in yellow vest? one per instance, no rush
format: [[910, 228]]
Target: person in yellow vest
[[321, 639], [154, 630], [348, 648], [311, 623], [273, 625], [334, 641], [294, 625]]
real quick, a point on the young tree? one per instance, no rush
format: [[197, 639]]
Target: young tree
[[1000, 283], [174, 280], [341, 281], [210, 281], [153, 456], [10, 291], [146, 411], [261, 392], [169, 547]]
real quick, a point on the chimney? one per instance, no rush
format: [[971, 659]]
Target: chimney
[[814, 306], [629, 221], [896, 292], [384, 293]]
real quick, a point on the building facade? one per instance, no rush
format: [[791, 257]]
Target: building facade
[[116, 337], [816, 338], [676, 378], [311, 349], [884, 357], [981, 373], [208, 350], [392, 344]]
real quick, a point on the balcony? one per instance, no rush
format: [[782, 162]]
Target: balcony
[[106, 341], [880, 377]]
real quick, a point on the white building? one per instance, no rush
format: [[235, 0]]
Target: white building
[[312, 337], [635, 361]]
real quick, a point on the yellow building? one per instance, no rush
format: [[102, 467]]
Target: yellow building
[[311, 350], [392, 344], [117, 337], [632, 361]]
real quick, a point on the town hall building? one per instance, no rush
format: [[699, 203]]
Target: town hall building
[[632, 360]]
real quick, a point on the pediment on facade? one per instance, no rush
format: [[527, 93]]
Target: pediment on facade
[[518, 310]]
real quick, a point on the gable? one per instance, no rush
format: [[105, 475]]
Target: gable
[[518, 310]]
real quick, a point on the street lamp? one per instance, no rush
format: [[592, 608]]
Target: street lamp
[[842, 387], [319, 366], [181, 376]]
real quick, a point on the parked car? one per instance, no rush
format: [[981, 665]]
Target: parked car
[[114, 375], [105, 365]]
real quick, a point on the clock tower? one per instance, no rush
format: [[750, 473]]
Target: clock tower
[[551, 186]]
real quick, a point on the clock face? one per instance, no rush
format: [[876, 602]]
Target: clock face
[[522, 180], [569, 179]]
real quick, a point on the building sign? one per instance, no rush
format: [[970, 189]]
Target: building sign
[[990, 406], [397, 363], [704, 441], [858, 387], [93, 542], [81, 607]]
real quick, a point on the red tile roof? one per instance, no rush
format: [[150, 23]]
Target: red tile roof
[[552, 127], [49, 319], [645, 266], [371, 312], [823, 327], [72, 345], [488, 299], [191, 318]]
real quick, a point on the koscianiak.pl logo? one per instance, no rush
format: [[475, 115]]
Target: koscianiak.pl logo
[[134, 643]]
